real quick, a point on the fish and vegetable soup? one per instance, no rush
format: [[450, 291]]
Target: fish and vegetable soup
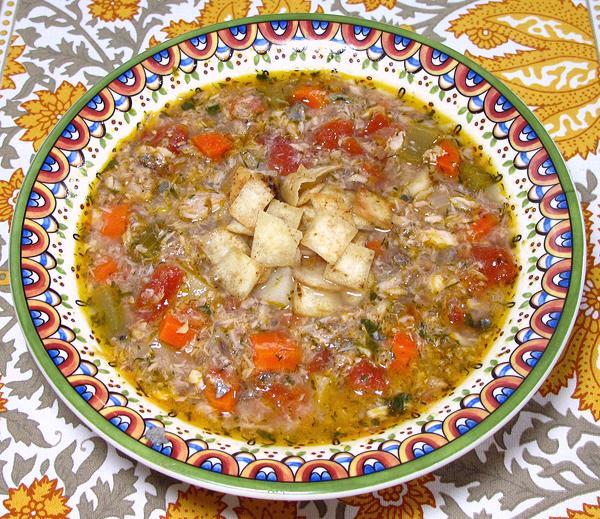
[[296, 258]]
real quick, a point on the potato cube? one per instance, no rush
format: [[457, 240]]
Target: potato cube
[[252, 199], [220, 242], [309, 302], [274, 244], [334, 200], [278, 288], [329, 235], [238, 273], [373, 208], [288, 213], [352, 269], [237, 228]]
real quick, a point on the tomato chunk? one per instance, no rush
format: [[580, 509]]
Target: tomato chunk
[[159, 291], [221, 390], [496, 264], [455, 311], [327, 136], [449, 162], [321, 361], [405, 351], [115, 221], [175, 333], [283, 158], [377, 122], [214, 145], [275, 351], [178, 135], [104, 270], [376, 246], [352, 146], [287, 398], [311, 96], [483, 226], [367, 378]]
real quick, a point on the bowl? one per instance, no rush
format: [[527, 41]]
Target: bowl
[[549, 245]]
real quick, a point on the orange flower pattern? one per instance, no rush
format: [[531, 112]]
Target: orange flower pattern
[[111, 10], [40, 499], [196, 503], [406, 501], [43, 113], [8, 194], [261, 509], [557, 74], [371, 5], [591, 511], [12, 66], [2, 400]]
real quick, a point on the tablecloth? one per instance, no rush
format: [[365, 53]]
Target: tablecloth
[[544, 463]]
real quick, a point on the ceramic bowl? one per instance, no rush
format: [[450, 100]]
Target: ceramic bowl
[[549, 245]]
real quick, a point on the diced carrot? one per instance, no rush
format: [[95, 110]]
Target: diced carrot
[[213, 144], [376, 246], [115, 221], [221, 390], [405, 351], [449, 162], [377, 122], [275, 351], [175, 333], [481, 227], [311, 96], [352, 146], [104, 270]]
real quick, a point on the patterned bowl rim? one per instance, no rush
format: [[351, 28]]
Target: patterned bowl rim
[[302, 490]]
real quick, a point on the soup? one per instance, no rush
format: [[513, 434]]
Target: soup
[[296, 258]]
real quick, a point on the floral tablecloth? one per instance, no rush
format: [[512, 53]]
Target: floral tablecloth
[[544, 463]]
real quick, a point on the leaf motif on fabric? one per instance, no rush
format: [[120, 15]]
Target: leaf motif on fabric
[[557, 75], [24, 429], [21, 467], [112, 500], [196, 503]]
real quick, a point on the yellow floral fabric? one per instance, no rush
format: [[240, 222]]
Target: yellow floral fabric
[[12, 67], [196, 503], [111, 10], [43, 498], [8, 194]]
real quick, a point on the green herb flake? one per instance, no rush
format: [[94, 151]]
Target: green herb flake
[[213, 109], [188, 105], [397, 404]]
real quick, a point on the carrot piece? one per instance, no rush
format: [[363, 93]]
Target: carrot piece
[[104, 270], [216, 382], [376, 246], [275, 351], [405, 351], [449, 162], [213, 144], [352, 146], [483, 226], [175, 333], [310, 96], [115, 221]]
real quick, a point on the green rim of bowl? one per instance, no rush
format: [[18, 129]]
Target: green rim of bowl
[[334, 488]]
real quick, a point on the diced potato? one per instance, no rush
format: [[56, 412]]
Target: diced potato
[[334, 200], [373, 208], [309, 302], [220, 242], [329, 235], [237, 228], [311, 275], [277, 290], [252, 199], [236, 180], [274, 244], [352, 269], [419, 183], [288, 213], [297, 187], [361, 223], [440, 238], [238, 273], [437, 283]]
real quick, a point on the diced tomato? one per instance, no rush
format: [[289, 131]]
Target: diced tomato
[[311, 96], [321, 361], [366, 377], [283, 158], [455, 311], [287, 398], [352, 146], [374, 171], [221, 390], [154, 136], [231, 303], [327, 136], [195, 313], [449, 162], [275, 351], [104, 270], [405, 351], [159, 291], [115, 221], [174, 332], [481, 227], [376, 246], [496, 264], [178, 135], [288, 320], [377, 122], [212, 144]]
